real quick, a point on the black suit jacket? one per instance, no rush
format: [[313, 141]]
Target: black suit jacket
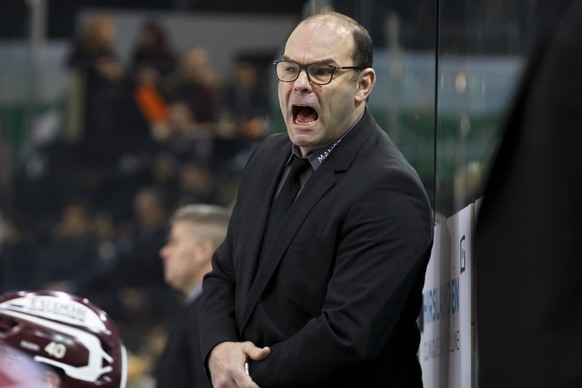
[[181, 365], [340, 291], [528, 243]]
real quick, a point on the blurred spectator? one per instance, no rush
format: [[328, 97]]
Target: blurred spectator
[[198, 86], [165, 175], [93, 51], [144, 298], [71, 260], [186, 139], [102, 113], [153, 59], [103, 279], [182, 121], [153, 53], [196, 183], [246, 100]]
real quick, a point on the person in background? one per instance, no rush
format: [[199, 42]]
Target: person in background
[[146, 300], [104, 124], [197, 183], [70, 262], [528, 248], [246, 100], [154, 51], [196, 231], [325, 291], [99, 91], [153, 60], [197, 85]]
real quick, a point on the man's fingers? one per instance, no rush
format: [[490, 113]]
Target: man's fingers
[[261, 354], [254, 353], [243, 380], [234, 378], [227, 364]]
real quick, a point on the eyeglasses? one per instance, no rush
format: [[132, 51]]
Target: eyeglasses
[[317, 73]]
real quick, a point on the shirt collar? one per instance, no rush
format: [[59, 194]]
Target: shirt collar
[[195, 293]]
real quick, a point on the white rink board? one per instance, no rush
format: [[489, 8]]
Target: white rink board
[[446, 346]]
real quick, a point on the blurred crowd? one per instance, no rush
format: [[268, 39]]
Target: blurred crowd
[[89, 210]]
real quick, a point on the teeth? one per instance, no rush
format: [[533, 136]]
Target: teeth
[[304, 123]]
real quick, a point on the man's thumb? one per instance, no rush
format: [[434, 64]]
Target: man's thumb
[[259, 354]]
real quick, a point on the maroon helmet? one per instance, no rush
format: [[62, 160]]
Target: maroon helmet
[[68, 333]]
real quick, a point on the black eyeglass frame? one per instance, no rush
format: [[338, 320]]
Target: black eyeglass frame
[[305, 66]]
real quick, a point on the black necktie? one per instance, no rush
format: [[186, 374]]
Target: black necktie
[[282, 203]]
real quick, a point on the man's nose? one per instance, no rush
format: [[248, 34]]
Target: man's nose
[[302, 82]]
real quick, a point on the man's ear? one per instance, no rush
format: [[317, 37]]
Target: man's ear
[[206, 245], [366, 82]]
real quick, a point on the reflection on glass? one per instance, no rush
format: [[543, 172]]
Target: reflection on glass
[[480, 51]]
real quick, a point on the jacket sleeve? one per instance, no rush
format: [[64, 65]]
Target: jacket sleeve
[[217, 322], [217, 315]]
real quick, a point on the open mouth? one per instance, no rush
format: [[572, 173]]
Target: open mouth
[[304, 115]]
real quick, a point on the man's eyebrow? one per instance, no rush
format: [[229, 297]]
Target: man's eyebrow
[[325, 60]]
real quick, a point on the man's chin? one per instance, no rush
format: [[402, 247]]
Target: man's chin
[[300, 139]]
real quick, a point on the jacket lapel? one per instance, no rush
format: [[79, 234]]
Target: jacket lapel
[[255, 216]]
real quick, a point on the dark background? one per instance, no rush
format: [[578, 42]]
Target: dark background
[[62, 13]]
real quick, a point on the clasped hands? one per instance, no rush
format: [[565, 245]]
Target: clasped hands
[[227, 364]]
